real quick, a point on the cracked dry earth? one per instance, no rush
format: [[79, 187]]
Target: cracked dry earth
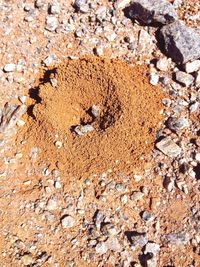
[[99, 133]]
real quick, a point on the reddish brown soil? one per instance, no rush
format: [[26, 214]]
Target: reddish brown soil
[[123, 132]]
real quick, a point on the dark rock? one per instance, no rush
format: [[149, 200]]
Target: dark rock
[[181, 43], [152, 11]]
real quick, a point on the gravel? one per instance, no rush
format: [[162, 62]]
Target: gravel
[[51, 23], [192, 66], [154, 79], [184, 78], [83, 129], [152, 248], [177, 124], [162, 64], [101, 248], [139, 239], [67, 221], [9, 67], [169, 147]]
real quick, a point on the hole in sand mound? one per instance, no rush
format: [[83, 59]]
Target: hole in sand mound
[[103, 114]]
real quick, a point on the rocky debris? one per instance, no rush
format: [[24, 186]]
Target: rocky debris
[[152, 11], [139, 239], [152, 248], [121, 3], [109, 229], [67, 221], [184, 78], [22, 99], [55, 8], [197, 80], [98, 219], [175, 238], [48, 61], [137, 195], [52, 204], [177, 3], [23, 239], [9, 67], [10, 116], [181, 43], [81, 6], [192, 66], [27, 259], [169, 147], [58, 144], [194, 107], [145, 44], [51, 23], [147, 216], [168, 184], [101, 248], [154, 79], [39, 3], [95, 110], [177, 124], [113, 244], [83, 129], [151, 262], [162, 64]]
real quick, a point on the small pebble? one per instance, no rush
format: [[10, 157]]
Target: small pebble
[[98, 51], [146, 216], [177, 124], [154, 78], [57, 185], [101, 248], [20, 123], [184, 78], [48, 61], [52, 204], [137, 196], [197, 156], [58, 144], [131, 46], [55, 8], [95, 110], [194, 107], [152, 248], [67, 221], [9, 67], [192, 66], [27, 260], [83, 129], [169, 147], [124, 199], [162, 64], [51, 23]]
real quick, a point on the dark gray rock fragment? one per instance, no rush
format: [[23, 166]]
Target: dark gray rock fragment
[[152, 11], [181, 43]]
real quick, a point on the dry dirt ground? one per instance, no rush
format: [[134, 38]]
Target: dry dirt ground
[[149, 218]]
